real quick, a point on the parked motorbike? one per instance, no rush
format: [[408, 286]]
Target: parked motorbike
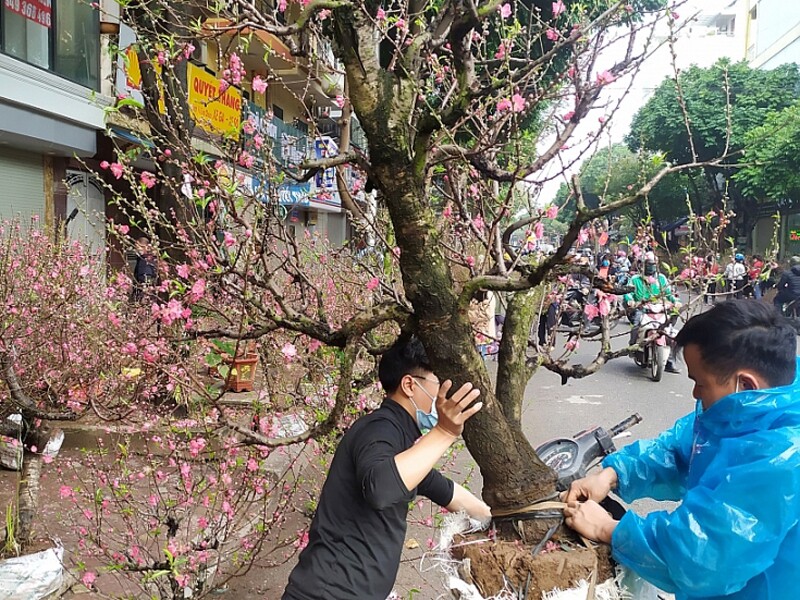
[[656, 330], [572, 458]]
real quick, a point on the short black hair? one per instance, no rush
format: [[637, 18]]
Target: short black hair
[[406, 357], [744, 334]]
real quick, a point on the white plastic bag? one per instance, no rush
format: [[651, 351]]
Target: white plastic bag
[[32, 576]]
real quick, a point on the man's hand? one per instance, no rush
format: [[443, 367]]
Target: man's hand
[[593, 487], [590, 520], [455, 410]]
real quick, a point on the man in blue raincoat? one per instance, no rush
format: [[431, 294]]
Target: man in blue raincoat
[[734, 464]]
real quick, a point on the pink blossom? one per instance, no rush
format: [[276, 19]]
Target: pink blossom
[[314, 345], [196, 446], [117, 169], [551, 34], [501, 51], [104, 164], [552, 211], [505, 10], [124, 229], [380, 15], [591, 311], [65, 492], [601, 120], [470, 260], [281, 5], [88, 578], [675, 16], [259, 85], [373, 284], [148, 179], [558, 8], [401, 24], [568, 115], [538, 230], [478, 222], [223, 86], [572, 344], [339, 101], [183, 271], [447, 212], [161, 57], [504, 105], [198, 290], [289, 351], [228, 240], [324, 14], [571, 72], [188, 49], [605, 78], [518, 103]]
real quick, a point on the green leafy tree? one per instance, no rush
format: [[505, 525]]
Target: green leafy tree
[[772, 157], [722, 104]]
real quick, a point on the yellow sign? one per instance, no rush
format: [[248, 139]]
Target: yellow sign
[[133, 76], [213, 111]]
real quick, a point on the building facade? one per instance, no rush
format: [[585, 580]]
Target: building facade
[[51, 111]]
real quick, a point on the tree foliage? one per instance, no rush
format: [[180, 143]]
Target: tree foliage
[[772, 157]]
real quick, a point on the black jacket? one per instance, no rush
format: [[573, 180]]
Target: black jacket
[[789, 284]]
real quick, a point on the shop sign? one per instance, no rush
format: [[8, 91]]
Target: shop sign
[[38, 11], [214, 112]]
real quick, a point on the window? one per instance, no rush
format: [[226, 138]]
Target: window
[[27, 27], [77, 47], [62, 36]]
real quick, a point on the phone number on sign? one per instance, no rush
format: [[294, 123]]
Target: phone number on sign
[[38, 12]]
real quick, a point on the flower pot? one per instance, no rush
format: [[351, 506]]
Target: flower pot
[[242, 373]]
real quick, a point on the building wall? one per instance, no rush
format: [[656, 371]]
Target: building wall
[[773, 36]]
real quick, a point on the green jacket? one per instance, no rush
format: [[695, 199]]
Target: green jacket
[[644, 289]]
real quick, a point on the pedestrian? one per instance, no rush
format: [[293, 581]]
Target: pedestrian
[[482, 309], [754, 275], [789, 284], [735, 273], [733, 465], [710, 273], [380, 466], [145, 270]]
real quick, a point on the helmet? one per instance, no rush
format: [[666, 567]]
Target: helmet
[[739, 257]]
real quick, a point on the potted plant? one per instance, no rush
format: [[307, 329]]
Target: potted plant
[[235, 362]]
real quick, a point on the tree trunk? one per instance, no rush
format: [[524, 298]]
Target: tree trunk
[[28, 503], [512, 473]]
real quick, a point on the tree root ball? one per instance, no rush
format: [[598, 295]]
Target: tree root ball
[[564, 565]]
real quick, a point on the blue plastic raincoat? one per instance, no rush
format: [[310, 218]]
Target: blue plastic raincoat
[[736, 469]]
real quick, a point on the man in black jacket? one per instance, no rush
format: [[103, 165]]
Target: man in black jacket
[[789, 284], [380, 466]]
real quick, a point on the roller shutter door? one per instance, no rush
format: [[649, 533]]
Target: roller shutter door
[[21, 185]]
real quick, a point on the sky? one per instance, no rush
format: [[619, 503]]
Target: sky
[[697, 44]]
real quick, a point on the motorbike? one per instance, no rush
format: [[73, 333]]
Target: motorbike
[[575, 316], [572, 458], [656, 330]]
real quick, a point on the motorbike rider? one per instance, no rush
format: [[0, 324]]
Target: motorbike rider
[[649, 286], [622, 267], [789, 284], [733, 466]]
